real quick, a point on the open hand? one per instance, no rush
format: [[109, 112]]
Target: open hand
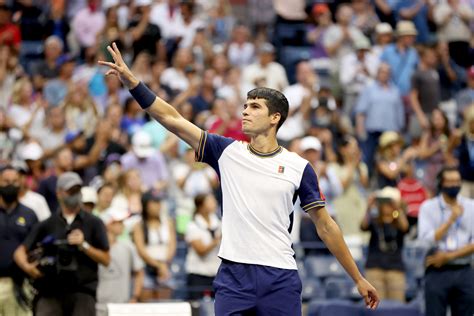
[[76, 237], [119, 68], [369, 293]]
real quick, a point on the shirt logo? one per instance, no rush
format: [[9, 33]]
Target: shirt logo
[[21, 221], [281, 169]]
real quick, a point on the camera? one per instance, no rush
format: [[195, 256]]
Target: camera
[[55, 256]]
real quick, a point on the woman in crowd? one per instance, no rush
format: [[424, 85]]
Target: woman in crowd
[[384, 265], [155, 238], [203, 236], [130, 191]]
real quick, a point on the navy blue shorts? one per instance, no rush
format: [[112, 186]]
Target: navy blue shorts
[[249, 289]]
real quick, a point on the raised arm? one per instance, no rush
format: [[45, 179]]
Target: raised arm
[[159, 109]]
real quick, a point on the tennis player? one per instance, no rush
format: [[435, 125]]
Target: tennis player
[[260, 182]]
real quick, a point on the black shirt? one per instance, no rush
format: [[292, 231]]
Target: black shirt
[[47, 188], [14, 227], [385, 247], [54, 231]]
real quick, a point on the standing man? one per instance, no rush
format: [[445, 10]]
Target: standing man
[[77, 242], [447, 222], [16, 221], [259, 181]]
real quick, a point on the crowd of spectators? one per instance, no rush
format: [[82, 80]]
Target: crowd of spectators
[[381, 97]]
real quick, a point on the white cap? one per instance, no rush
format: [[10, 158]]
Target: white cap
[[89, 195], [310, 142], [141, 3], [389, 193], [107, 4], [115, 213], [31, 151], [141, 144], [383, 28]]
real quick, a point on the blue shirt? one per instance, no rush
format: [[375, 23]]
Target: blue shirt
[[435, 212], [382, 107], [420, 19], [402, 66]]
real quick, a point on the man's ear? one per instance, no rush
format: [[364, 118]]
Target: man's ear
[[276, 117]]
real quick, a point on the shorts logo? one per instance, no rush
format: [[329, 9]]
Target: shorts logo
[[281, 169]]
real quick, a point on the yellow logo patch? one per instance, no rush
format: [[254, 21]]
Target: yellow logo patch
[[21, 221]]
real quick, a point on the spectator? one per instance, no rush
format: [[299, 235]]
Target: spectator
[[444, 223], [402, 57], [203, 236], [105, 195], [364, 17], [266, 72], [452, 77], [454, 26], [206, 93], [57, 23], [434, 148], [55, 90], [241, 51], [316, 33], [149, 162], [16, 221], [463, 148], [10, 69], [360, 68], [384, 266], [339, 39], [10, 34], [88, 23], [390, 160], [425, 91], [378, 109], [300, 96], [384, 10], [167, 16], [175, 78], [89, 198], [354, 177], [229, 122], [48, 67], [122, 280], [221, 21], [155, 238], [129, 192], [190, 24], [36, 202], [383, 37], [418, 12], [66, 288], [465, 97], [53, 133]]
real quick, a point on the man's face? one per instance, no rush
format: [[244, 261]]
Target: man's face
[[256, 118], [10, 177], [451, 179]]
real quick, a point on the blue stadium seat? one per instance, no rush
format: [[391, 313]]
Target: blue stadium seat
[[312, 289], [342, 288], [334, 307], [323, 267], [393, 308]]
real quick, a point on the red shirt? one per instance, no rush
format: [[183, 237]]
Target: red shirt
[[10, 35], [413, 194], [233, 130]]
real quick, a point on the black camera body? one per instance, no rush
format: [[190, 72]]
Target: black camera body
[[55, 257]]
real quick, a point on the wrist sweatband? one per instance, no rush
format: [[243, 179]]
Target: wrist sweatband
[[144, 96]]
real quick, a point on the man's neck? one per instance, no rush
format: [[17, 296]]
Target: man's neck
[[264, 143], [449, 200], [69, 212]]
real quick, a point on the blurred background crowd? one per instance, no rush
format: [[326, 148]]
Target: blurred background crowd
[[381, 98]]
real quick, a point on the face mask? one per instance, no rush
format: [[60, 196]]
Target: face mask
[[9, 193], [72, 201], [452, 192]]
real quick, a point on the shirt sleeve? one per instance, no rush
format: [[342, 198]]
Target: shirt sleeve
[[192, 233], [137, 262], [426, 226], [100, 240], [309, 193], [211, 147]]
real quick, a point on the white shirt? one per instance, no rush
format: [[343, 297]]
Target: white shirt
[[174, 79], [241, 55], [170, 26], [258, 193], [37, 203], [294, 125], [198, 229], [352, 78], [274, 75]]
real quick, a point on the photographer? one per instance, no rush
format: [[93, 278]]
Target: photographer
[[384, 266], [16, 221], [62, 254]]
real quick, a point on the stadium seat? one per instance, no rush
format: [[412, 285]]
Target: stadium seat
[[312, 289], [334, 307], [148, 309], [342, 288], [324, 266], [393, 308]]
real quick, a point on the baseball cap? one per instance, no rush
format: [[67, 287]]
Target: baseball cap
[[383, 28], [31, 151], [389, 193], [310, 142], [266, 48], [68, 180], [89, 195], [362, 43], [470, 72], [320, 8], [141, 144], [115, 213]]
